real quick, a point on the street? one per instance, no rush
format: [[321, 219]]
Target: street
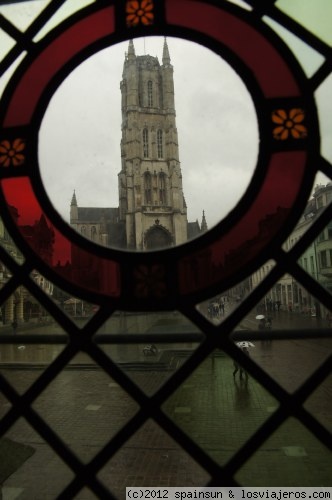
[[85, 407]]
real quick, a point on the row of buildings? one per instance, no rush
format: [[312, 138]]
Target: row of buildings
[[21, 305], [287, 293]]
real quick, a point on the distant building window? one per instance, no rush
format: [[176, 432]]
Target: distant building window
[[160, 143], [147, 188], [145, 143], [312, 267], [83, 230], [323, 259], [162, 188], [150, 98]]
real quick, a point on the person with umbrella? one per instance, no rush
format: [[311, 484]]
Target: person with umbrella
[[262, 321], [244, 348]]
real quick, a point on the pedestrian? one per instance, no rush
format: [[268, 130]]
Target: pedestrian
[[261, 324], [238, 367]]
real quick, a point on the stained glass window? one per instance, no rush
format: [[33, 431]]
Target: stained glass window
[[121, 326]]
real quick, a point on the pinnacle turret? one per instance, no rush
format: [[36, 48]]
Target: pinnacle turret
[[166, 57], [131, 51], [73, 200], [203, 224]]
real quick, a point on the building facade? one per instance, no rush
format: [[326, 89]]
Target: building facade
[[21, 305], [12, 309], [316, 261], [152, 211]]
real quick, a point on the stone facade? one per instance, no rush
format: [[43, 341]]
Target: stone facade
[[152, 211]]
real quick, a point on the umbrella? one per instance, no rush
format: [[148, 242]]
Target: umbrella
[[260, 316], [245, 344]]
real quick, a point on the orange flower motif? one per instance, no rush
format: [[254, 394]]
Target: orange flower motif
[[11, 153], [289, 124], [139, 12], [150, 281]]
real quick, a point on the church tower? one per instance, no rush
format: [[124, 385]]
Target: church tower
[[151, 200]]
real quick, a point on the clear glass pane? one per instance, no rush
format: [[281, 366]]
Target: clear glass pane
[[292, 456], [319, 200], [318, 403], [22, 14], [7, 243], [315, 16], [83, 406], [220, 306], [24, 452], [22, 364], [218, 408], [6, 43], [291, 362], [150, 362], [6, 76], [309, 59], [66, 10], [323, 94], [151, 458], [79, 311], [241, 3]]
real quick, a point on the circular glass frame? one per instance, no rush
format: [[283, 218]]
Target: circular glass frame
[[233, 248]]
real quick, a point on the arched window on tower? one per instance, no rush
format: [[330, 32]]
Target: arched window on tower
[[145, 143], [147, 188], [150, 98], [160, 143], [83, 230], [162, 188]]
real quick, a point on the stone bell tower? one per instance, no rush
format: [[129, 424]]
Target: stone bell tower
[[151, 200]]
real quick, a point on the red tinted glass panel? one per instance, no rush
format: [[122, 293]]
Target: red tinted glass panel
[[255, 230], [76, 265]]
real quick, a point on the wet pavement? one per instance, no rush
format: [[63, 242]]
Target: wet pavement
[[85, 407]]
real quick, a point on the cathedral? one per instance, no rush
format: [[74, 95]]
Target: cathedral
[[152, 211]]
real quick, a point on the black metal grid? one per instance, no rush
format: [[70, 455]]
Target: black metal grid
[[212, 336]]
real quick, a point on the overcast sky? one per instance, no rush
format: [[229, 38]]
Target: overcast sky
[[216, 121]]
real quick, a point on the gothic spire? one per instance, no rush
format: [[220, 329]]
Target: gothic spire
[[166, 57], [203, 224], [73, 200], [131, 51]]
